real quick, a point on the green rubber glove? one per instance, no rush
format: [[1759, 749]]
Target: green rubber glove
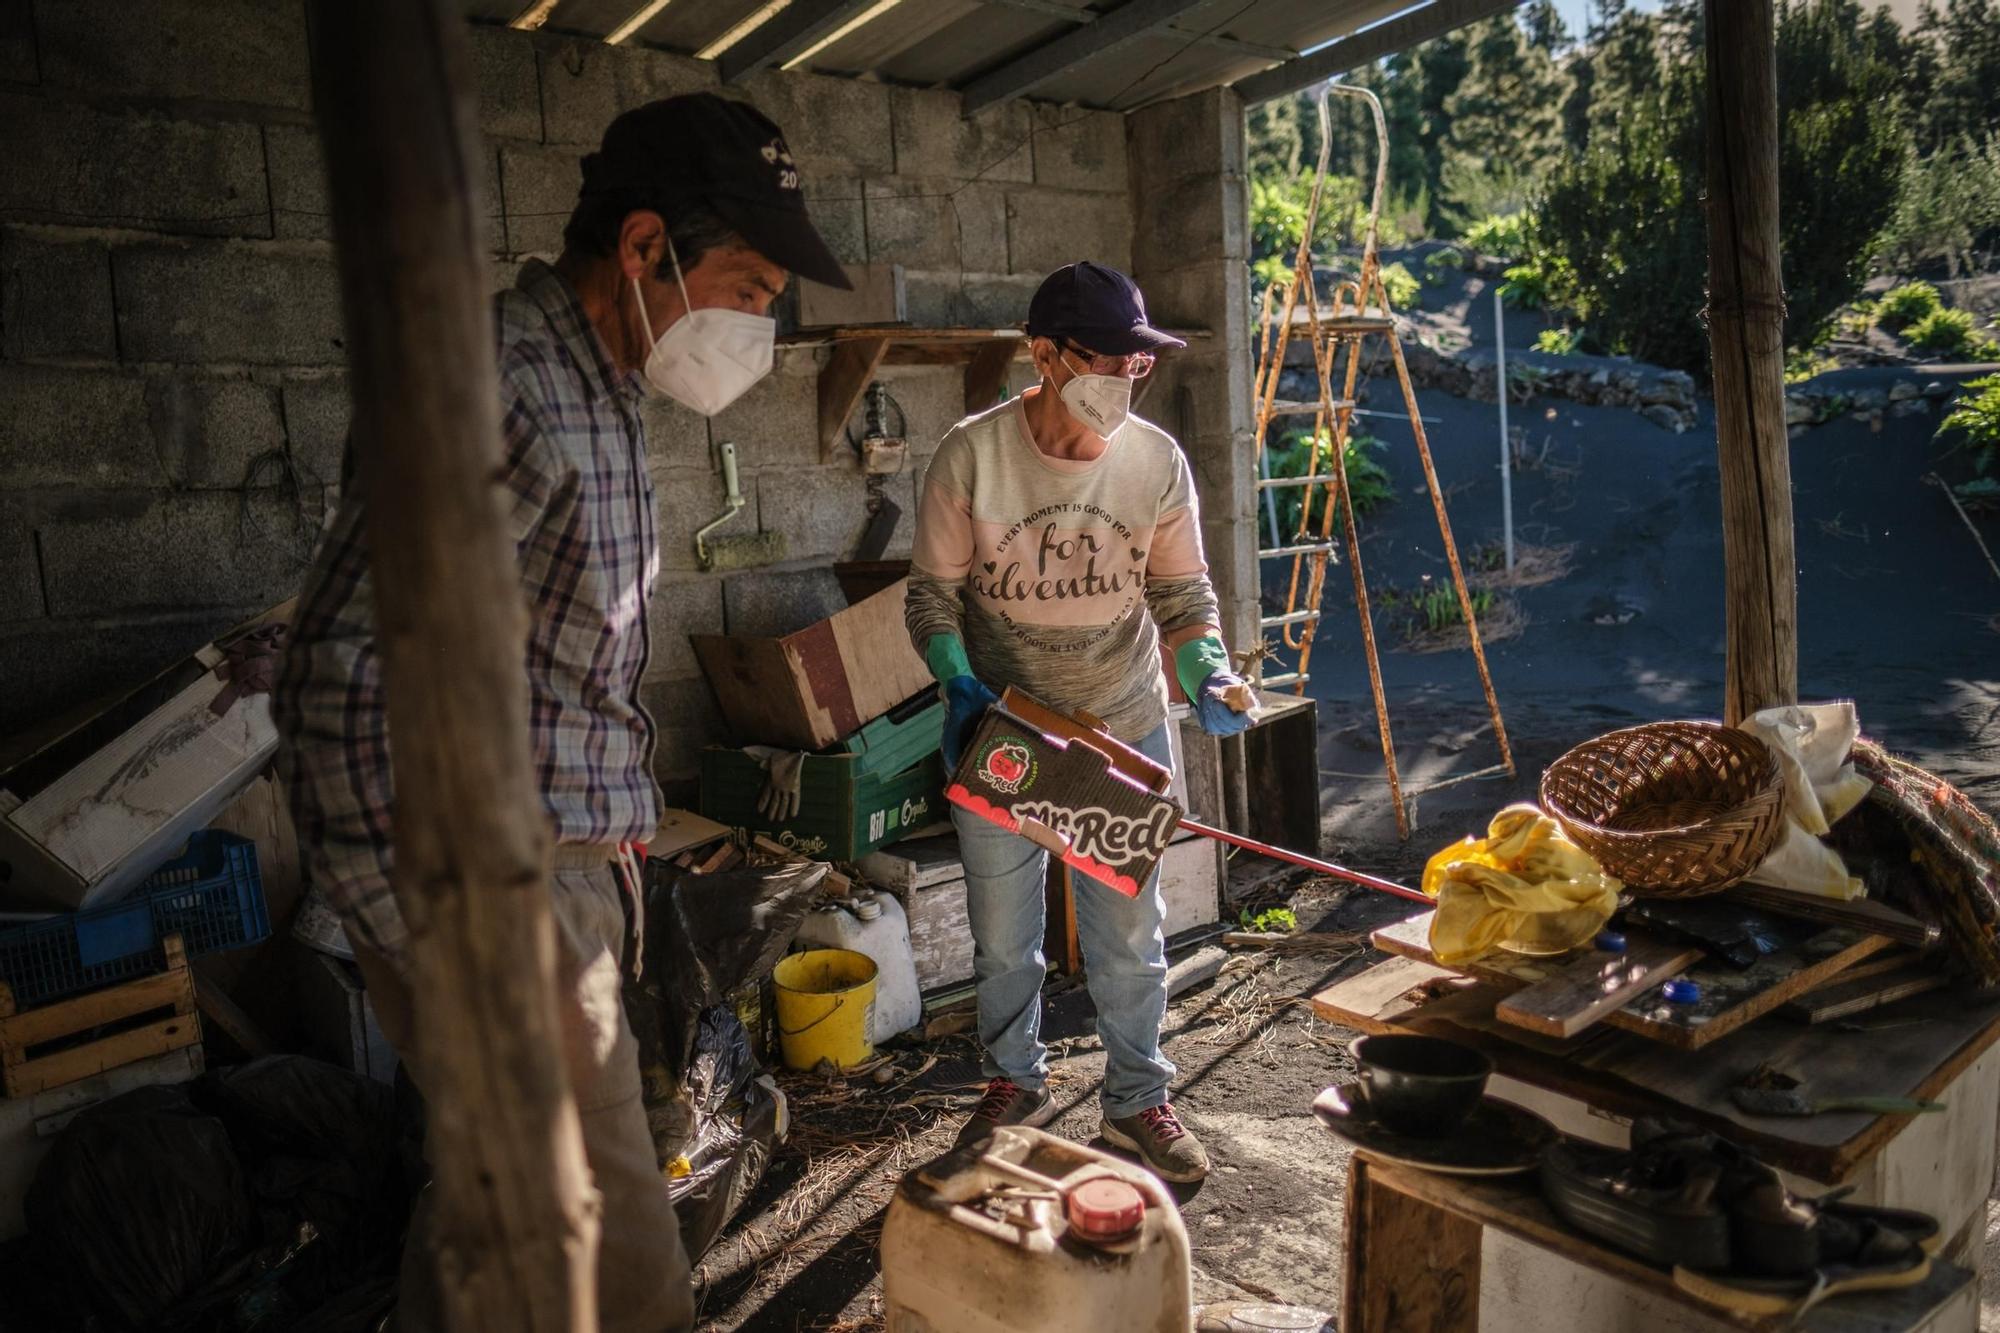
[[1196, 660], [944, 654]]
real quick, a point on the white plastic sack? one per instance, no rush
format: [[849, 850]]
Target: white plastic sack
[[1812, 742]]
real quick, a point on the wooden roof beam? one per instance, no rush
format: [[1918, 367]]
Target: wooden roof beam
[[1100, 36], [1384, 39], [790, 32], [1056, 9]]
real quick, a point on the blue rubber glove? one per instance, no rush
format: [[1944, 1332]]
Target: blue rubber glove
[[1202, 666], [966, 697]]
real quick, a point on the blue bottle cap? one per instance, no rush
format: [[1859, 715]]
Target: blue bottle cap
[[1681, 991], [1611, 941]]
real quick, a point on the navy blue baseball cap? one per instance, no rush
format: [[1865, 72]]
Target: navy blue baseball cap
[[723, 155], [1097, 308]]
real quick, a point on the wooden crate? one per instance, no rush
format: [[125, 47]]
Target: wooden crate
[[73, 1039], [926, 875]]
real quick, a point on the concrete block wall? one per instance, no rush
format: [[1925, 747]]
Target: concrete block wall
[[173, 397]]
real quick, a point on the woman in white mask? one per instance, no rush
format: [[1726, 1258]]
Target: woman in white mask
[[1058, 549]]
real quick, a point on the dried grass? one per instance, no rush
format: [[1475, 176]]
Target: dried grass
[[1533, 567], [1503, 620]]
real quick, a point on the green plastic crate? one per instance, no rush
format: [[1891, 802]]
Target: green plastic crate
[[845, 811], [900, 738]]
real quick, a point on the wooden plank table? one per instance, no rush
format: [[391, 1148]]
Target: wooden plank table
[[1448, 1254]]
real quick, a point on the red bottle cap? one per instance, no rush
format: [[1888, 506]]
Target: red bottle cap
[[1105, 1210]]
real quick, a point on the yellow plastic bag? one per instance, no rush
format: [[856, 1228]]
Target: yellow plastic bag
[[1524, 887]]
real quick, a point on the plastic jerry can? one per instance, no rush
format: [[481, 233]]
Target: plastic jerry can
[[873, 924], [1034, 1234]]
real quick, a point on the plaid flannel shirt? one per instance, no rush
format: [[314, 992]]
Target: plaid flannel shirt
[[581, 508]]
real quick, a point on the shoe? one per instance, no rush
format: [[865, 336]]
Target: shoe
[[1006, 1103], [1162, 1142]]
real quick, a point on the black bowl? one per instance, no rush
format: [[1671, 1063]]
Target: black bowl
[[1419, 1085]]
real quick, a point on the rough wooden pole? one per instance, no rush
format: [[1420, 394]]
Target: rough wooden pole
[[1746, 329], [516, 1213]]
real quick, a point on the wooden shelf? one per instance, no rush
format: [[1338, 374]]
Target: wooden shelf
[[860, 350]]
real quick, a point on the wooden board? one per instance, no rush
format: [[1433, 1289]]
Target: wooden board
[[168, 997], [1410, 1265], [1847, 995], [1729, 998], [1373, 1000], [1593, 983], [1858, 914]]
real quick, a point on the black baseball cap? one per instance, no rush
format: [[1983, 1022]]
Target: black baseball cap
[[1097, 308], [727, 156]]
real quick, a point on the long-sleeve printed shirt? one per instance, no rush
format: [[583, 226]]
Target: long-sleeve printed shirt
[[580, 504], [1043, 565]]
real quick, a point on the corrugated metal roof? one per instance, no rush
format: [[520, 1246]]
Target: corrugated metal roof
[[1164, 47]]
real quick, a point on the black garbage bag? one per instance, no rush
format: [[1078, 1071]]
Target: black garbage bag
[[320, 1146], [707, 935], [141, 1206], [732, 1114]]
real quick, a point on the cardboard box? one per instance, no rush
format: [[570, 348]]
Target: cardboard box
[[809, 689], [95, 811], [1066, 797], [338, 1018], [1191, 885]]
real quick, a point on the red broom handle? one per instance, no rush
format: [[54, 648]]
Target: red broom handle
[[1309, 862]]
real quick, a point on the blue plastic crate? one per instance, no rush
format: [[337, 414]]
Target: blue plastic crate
[[212, 896]]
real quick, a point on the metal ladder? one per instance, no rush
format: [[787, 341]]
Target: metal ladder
[[1356, 311]]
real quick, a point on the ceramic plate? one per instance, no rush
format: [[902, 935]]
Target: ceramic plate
[[1497, 1139]]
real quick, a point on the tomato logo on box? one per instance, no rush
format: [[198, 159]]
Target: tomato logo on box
[[1008, 765]]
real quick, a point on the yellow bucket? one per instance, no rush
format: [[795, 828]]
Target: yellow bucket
[[824, 999]]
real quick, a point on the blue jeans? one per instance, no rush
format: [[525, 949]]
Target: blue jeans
[[1124, 953]]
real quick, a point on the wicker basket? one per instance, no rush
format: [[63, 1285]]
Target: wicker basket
[[1674, 809]]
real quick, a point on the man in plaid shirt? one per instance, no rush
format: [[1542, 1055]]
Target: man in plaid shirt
[[690, 216]]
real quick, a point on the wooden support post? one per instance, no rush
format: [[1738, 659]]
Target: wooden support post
[[516, 1214], [1746, 329], [986, 374], [841, 385]]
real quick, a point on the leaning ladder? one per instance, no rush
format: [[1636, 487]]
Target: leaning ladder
[[1356, 311]]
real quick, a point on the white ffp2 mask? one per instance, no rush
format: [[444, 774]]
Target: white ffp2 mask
[[707, 358], [1100, 402]]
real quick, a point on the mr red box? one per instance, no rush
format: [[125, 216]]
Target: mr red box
[[1066, 796]]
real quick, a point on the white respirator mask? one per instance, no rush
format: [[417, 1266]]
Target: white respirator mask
[[707, 358], [1100, 402]]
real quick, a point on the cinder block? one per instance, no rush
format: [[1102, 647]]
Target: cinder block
[[1199, 217], [934, 138], [687, 499], [681, 608], [1047, 229], [1080, 150], [53, 666], [139, 551], [776, 424], [947, 298], [687, 720], [676, 436], [17, 44], [20, 570], [1217, 397], [213, 302], [316, 416], [779, 602], [74, 428], [835, 205], [538, 189], [1197, 135], [217, 433], [937, 224], [819, 510], [832, 126], [503, 73], [210, 50], [586, 84], [71, 164], [1211, 294], [932, 399], [299, 204], [55, 298]]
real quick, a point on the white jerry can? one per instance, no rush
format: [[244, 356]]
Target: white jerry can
[[1034, 1234], [873, 924]]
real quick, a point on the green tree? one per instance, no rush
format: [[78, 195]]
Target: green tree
[[1276, 146], [1546, 30], [1962, 97], [1505, 122], [1441, 65]]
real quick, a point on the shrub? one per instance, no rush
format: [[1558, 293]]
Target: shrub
[[1543, 282], [1974, 421], [1504, 235], [1440, 262], [1907, 304], [1948, 203], [1368, 483], [1945, 332], [1402, 286], [1559, 342]]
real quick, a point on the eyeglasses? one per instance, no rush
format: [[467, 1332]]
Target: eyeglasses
[[1133, 365]]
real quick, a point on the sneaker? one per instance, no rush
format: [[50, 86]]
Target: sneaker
[[1162, 1142], [1006, 1103]]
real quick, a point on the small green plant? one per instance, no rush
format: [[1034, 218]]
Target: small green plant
[[1402, 286], [1270, 921], [1946, 332], [1439, 263], [1905, 305], [1559, 342], [1537, 284], [1503, 235], [1974, 422], [1368, 482], [1803, 363]]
